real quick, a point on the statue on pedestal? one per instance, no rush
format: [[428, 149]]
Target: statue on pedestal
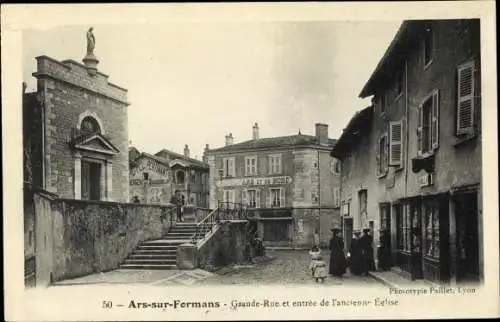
[[90, 42]]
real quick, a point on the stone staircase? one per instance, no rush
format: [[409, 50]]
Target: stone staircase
[[161, 253]]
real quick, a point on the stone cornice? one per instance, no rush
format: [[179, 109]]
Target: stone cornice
[[271, 149], [47, 75]]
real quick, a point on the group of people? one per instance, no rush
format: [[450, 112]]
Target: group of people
[[359, 258]]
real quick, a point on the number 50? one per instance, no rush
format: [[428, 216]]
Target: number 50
[[107, 304]]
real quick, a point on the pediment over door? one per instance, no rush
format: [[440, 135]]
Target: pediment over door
[[94, 142]]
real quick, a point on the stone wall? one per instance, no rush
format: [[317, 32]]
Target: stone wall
[[76, 238], [226, 246]]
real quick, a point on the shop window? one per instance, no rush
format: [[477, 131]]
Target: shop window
[[404, 228], [431, 230]]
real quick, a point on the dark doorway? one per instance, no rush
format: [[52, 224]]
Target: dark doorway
[[276, 230], [347, 231], [467, 238], [91, 180]]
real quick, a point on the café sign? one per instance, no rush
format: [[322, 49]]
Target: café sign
[[263, 181], [150, 165]]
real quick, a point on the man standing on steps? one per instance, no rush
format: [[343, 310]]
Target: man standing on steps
[[176, 201]]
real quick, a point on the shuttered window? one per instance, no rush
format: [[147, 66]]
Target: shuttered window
[[251, 198], [396, 143], [276, 197], [228, 167], [465, 103], [382, 157], [428, 124]]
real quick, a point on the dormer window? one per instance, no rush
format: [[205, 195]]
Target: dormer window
[[90, 125]]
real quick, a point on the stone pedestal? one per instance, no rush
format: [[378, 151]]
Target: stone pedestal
[[91, 62], [187, 256]]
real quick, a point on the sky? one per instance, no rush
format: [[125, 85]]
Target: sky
[[193, 83]]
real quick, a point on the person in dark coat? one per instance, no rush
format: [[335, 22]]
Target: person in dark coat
[[367, 244], [337, 257], [176, 201], [384, 251], [357, 255]]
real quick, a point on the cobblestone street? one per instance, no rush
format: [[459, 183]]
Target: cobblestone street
[[287, 267]]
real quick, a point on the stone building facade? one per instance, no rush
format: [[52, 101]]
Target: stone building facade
[[155, 178], [80, 129], [288, 183], [411, 162]]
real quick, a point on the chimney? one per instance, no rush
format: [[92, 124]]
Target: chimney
[[321, 133], [205, 152], [186, 151], [227, 140], [255, 131], [230, 138]]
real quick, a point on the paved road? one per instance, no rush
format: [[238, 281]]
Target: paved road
[[287, 267]]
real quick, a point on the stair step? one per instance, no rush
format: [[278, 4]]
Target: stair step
[[149, 266], [154, 256], [151, 261], [155, 251]]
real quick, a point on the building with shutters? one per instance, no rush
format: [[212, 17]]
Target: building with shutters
[[289, 184], [155, 178], [411, 162]]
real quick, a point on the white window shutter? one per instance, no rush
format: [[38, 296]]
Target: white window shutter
[[282, 197], [256, 166], [268, 198], [224, 167], [465, 108], [420, 120], [233, 167], [395, 143], [435, 120], [270, 170], [257, 198]]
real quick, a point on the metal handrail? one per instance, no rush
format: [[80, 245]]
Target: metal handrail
[[224, 211]]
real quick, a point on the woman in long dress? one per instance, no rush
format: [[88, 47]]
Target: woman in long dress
[[337, 256]]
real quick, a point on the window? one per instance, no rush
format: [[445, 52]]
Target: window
[[431, 231], [395, 144], [385, 216], [228, 198], [428, 124], [228, 169], [250, 166], [404, 227], [336, 197], [465, 99], [193, 178], [428, 45], [276, 198], [90, 125], [275, 164], [335, 166], [145, 176], [251, 198], [382, 156], [179, 177]]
